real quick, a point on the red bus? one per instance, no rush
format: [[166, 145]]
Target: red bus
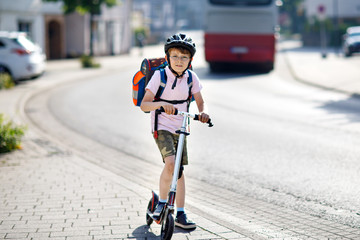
[[240, 31]]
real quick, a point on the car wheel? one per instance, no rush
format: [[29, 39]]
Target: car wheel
[[347, 52]]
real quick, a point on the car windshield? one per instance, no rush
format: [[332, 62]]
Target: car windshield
[[25, 43], [241, 2]]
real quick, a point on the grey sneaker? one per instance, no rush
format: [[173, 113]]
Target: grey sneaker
[[181, 221]]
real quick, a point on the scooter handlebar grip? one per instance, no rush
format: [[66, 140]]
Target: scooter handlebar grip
[[161, 109], [208, 122]]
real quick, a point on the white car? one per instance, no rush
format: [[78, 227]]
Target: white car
[[352, 41], [20, 57]]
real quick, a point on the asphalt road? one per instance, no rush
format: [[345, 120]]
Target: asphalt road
[[274, 139]]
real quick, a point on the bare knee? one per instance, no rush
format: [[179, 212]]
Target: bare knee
[[169, 164]]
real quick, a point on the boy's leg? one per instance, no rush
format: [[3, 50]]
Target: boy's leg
[[166, 176], [180, 192], [164, 183]]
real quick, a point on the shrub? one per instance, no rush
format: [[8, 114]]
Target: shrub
[[6, 80], [87, 61], [10, 135]]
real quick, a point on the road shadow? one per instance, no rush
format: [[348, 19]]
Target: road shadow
[[145, 232], [349, 107], [204, 73], [318, 50]]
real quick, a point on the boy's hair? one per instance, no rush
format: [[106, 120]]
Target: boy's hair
[[181, 49]]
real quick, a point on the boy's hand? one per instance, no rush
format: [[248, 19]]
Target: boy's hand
[[169, 109], [203, 117]]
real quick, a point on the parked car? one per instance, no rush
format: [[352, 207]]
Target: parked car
[[352, 41], [20, 57]]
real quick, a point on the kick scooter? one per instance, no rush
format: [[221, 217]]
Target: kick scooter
[[166, 218]]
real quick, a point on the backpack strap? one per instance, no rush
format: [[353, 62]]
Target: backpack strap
[[190, 84], [163, 80]]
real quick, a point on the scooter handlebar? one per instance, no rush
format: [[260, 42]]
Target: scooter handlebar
[[195, 117], [208, 122]]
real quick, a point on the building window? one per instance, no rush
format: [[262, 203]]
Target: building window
[[24, 26]]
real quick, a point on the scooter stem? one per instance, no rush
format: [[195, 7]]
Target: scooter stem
[[178, 156]]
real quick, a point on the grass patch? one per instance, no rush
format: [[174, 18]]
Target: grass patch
[[6, 81], [10, 135], [88, 61]]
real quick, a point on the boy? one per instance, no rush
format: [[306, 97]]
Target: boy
[[179, 50]]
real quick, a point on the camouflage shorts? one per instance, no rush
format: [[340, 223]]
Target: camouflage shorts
[[167, 143]]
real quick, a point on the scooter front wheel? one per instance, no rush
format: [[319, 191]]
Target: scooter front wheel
[[167, 226]]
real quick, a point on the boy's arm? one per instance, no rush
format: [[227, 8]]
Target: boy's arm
[[204, 116], [147, 104]]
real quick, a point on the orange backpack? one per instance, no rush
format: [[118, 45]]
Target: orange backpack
[[143, 76]]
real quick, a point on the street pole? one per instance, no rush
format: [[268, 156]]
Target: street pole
[[323, 40], [337, 41]]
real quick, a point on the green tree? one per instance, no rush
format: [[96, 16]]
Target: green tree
[[294, 8], [93, 7]]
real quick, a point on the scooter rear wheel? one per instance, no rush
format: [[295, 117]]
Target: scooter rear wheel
[[149, 220], [167, 226]]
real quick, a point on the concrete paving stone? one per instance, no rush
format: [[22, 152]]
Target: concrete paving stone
[[52, 238], [353, 236], [70, 232], [179, 236], [6, 227], [16, 235], [231, 235], [77, 238], [118, 230], [52, 217], [51, 222], [52, 229], [12, 218], [101, 221], [100, 232], [216, 229], [203, 237], [85, 215], [110, 214], [86, 223], [32, 226], [38, 235]]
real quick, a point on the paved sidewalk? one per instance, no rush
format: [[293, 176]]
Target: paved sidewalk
[[48, 192], [335, 72]]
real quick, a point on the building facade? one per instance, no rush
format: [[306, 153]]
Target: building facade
[[62, 35], [163, 17]]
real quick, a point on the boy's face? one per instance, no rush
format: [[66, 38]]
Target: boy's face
[[179, 61]]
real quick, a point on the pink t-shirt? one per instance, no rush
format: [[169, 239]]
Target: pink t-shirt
[[167, 122]]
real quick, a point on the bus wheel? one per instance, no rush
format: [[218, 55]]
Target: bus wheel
[[268, 67], [215, 67]]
